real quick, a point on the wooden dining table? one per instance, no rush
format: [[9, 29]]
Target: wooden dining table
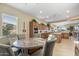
[[25, 44]]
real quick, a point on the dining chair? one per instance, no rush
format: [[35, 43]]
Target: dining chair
[[12, 38], [4, 40], [9, 40], [47, 48], [5, 50], [21, 37]]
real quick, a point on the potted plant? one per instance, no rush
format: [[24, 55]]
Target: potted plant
[[42, 24], [48, 25], [34, 20]]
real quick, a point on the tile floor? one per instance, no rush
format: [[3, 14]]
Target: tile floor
[[65, 48]]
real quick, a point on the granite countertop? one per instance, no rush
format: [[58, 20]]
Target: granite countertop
[[33, 42]]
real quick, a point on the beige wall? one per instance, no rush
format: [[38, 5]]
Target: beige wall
[[22, 17]]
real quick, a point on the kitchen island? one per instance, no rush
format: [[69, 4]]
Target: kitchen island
[[61, 35]]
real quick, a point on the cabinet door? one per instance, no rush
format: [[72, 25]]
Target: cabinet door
[[30, 29]]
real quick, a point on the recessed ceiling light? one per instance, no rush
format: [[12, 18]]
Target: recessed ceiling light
[[41, 11], [68, 11]]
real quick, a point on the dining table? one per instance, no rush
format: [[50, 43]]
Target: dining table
[[25, 44]]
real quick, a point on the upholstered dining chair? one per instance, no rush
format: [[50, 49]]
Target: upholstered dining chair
[[5, 50], [12, 38], [9, 40], [47, 49]]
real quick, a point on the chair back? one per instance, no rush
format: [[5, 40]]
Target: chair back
[[48, 49], [12, 38], [4, 40], [5, 50]]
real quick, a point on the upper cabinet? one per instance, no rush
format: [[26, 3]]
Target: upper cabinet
[[36, 28], [33, 27]]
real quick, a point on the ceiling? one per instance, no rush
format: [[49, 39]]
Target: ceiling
[[66, 22], [49, 12]]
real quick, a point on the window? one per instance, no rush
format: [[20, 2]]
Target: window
[[8, 24], [60, 28]]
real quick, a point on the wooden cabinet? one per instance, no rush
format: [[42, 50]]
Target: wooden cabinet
[[59, 37], [33, 28], [65, 35], [42, 27], [44, 35]]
